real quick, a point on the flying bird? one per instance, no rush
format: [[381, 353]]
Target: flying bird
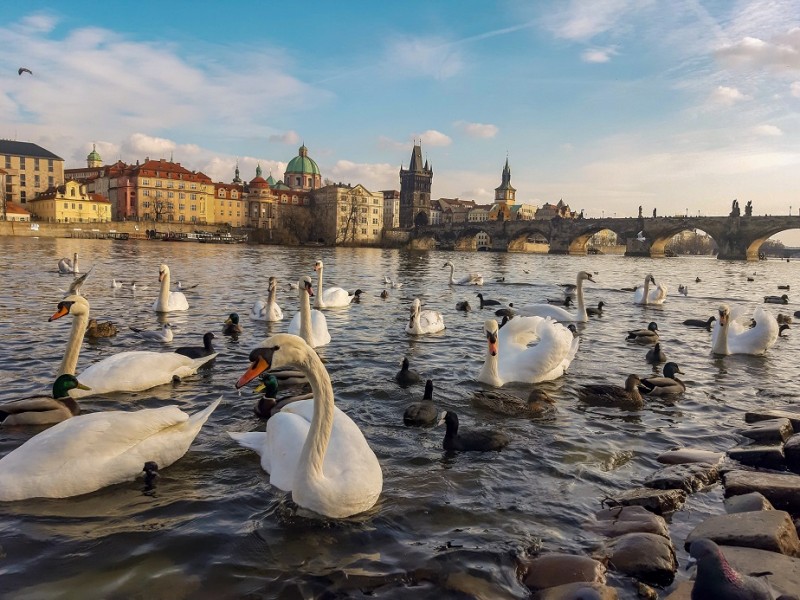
[[640, 237], [24, 70]]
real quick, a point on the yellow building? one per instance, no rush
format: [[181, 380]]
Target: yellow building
[[30, 170], [230, 207], [168, 192], [348, 214], [70, 203]]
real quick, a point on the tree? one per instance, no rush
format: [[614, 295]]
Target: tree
[[295, 224]]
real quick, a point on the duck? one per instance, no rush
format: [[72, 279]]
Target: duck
[[100, 329], [116, 284], [566, 302], [384, 294], [482, 440], [268, 311], [42, 410], [463, 305], [644, 295], [89, 452], [134, 371], [750, 279], [67, 266], [783, 319], [683, 289], [697, 280], [655, 355], [423, 321], [700, 323], [161, 335], [469, 279], [663, 386], [311, 325], [556, 312], [781, 328], [355, 297], [168, 301], [783, 287], [333, 297], [311, 448], [511, 358], [731, 337], [405, 376], [269, 404], [487, 302], [505, 312], [423, 413], [784, 299], [183, 287], [538, 405], [628, 397], [231, 325], [644, 336], [207, 349], [596, 312]]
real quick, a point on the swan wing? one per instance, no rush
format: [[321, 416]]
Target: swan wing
[[431, 321], [259, 310], [545, 310], [177, 301], [755, 340], [274, 313], [319, 329], [545, 360], [335, 297], [294, 324], [657, 295], [638, 294]]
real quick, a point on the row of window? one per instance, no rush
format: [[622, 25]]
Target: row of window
[[170, 184], [23, 163]]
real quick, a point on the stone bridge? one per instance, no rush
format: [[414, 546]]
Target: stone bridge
[[738, 237]]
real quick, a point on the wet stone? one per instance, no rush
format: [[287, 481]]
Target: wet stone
[[552, 570], [770, 431], [689, 455], [657, 501], [688, 477], [760, 457], [771, 530], [747, 503], [574, 591], [644, 556], [613, 522], [781, 489], [765, 415], [791, 450]]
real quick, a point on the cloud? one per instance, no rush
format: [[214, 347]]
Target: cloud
[[289, 138], [768, 130], [598, 55], [373, 176], [782, 53], [582, 20], [423, 57], [476, 130], [387, 143], [795, 89], [726, 96], [140, 144], [433, 138]]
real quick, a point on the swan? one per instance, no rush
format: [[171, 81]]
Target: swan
[[333, 297], [207, 349], [116, 284], [644, 336], [161, 335], [231, 325], [268, 311], [310, 325], [405, 376], [100, 329], [599, 394], [556, 312], [482, 440], [423, 321], [509, 357], [644, 295], [67, 266], [89, 452], [663, 386], [470, 279], [311, 448], [122, 372], [41, 410], [423, 413], [731, 337], [168, 301]]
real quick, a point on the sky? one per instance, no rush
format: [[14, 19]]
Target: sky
[[679, 105]]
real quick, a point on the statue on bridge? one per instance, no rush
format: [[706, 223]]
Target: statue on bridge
[[654, 213], [748, 209], [640, 211], [735, 209]]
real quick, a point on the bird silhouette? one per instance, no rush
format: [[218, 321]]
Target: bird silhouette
[[24, 70]]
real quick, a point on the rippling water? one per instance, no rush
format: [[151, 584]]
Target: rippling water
[[214, 527]]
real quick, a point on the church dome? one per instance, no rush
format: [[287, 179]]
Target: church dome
[[303, 164], [94, 157]]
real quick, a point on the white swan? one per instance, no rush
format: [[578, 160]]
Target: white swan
[[423, 321], [89, 452], [310, 325], [168, 301], [121, 372], [268, 311], [116, 284], [644, 295], [311, 448], [731, 337], [510, 358], [333, 297], [556, 312], [470, 279], [66, 265]]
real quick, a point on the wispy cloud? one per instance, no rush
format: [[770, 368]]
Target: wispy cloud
[[581, 20], [290, 137], [726, 96], [431, 137], [598, 55], [768, 130], [423, 57], [374, 177], [795, 89], [476, 130], [781, 53]]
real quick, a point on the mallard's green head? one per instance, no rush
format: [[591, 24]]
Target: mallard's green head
[[268, 385], [233, 319], [64, 384]]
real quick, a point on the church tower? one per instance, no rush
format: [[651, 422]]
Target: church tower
[[93, 159], [504, 196], [415, 191]]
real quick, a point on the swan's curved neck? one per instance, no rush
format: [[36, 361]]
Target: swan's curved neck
[[646, 290], [318, 303], [69, 363], [75, 263], [163, 293], [272, 294], [319, 433], [489, 372], [452, 270], [581, 306], [721, 342], [305, 318]]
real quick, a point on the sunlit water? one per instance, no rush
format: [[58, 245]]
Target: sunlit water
[[215, 528]]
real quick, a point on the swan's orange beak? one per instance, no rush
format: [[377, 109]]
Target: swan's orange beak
[[259, 366], [492, 339], [63, 309]]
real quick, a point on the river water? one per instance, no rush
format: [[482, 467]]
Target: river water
[[214, 528]]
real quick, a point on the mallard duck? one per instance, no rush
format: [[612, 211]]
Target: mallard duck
[[600, 394], [596, 312], [663, 386], [100, 329], [655, 355], [41, 410], [405, 376], [538, 405], [269, 404], [479, 441], [783, 319], [384, 294], [700, 323], [355, 297], [645, 336], [231, 326], [423, 413], [566, 302], [784, 299]]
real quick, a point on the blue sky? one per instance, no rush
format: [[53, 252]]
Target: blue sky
[[608, 104]]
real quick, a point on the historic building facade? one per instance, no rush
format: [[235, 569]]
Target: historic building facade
[[230, 206], [166, 192], [302, 173], [504, 197], [348, 215], [391, 209], [30, 170], [71, 203], [415, 191]]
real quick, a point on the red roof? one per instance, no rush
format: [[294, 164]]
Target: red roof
[[99, 198], [16, 209]]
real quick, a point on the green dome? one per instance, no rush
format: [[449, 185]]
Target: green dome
[[94, 155], [302, 163]]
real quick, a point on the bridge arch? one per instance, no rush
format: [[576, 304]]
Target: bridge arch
[[754, 247], [517, 241], [579, 243], [472, 238], [658, 245]]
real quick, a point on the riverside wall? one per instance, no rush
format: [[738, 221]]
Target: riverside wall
[[136, 229]]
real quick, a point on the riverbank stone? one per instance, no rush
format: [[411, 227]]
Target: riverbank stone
[[747, 503], [769, 431], [765, 415], [688, 477], [771, 530], [644, 556], [617, 521], [658, 501], [791, 450], [759, 457], [689, 455], [781, 489], [551, 570], [576, 591]]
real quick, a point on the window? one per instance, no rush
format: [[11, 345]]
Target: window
[[36, 182], [374, 221], [8, 161], [22, 181], [145, 192], [234, 194], [66, 205], [181, 186], [170, 184], [94, 206], [35, 164], [193, 196], [181, 218], [72, 193], [182, 195], [170, 194], [364, 231], [194, 186], [158, 183], [374, 211], [21, 162], [23, 197], [194, 207], [49, 165], [145, 182], [80, 206], [221, 193], [181, 207], [50, 181], [230, 213], [73, 206]]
